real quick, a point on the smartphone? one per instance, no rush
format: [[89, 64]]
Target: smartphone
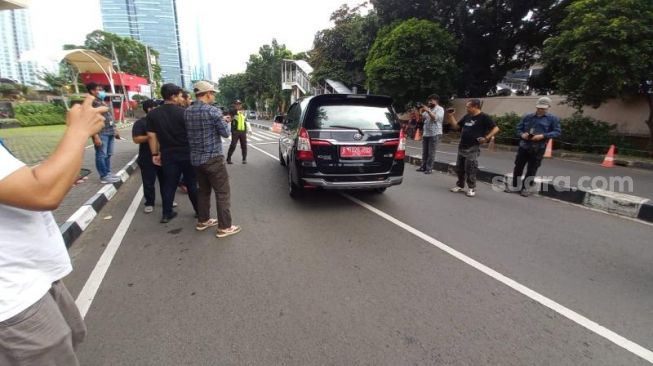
[[450, 110], [83, 173]]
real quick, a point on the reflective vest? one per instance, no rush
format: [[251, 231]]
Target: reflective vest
[[240, 121]]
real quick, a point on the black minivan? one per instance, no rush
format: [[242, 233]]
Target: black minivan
[[342, 141]]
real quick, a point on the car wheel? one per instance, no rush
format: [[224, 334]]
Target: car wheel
[[293, 189], [282, 161], [379, 190]]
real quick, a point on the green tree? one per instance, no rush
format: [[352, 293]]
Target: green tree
[[494, 36], [231, 87], [263, 77], [131, 53], [604, 50], [57, 82], [340, 52], [411, 61]]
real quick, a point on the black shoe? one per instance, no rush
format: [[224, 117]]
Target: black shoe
[[421, 170], [229, 162], [244, 161], [428, 172], [166, 219], [525, 193]]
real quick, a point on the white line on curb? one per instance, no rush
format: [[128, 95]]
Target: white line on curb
[[87, 295]]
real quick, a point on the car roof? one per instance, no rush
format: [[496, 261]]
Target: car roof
[[374, 99]]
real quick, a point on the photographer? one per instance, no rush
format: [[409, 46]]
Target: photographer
[[477, 128], [534, 130], [432, 115]]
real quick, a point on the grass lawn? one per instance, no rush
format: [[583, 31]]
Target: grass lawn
[[32, 144]]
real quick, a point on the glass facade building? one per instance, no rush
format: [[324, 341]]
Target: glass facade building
[[155, 23], [16, 38]]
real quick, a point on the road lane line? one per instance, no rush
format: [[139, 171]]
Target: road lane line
[[265, 143], [265, 152], [577, 318], [253, 137], [87, 295], [268, 134]]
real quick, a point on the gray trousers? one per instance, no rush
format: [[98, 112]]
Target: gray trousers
[[213, 176], [429, 145], [45, 334], [467, 166]]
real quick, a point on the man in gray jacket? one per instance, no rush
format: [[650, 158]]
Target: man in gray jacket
[[432, 115]]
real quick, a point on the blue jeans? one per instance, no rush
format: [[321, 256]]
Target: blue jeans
[[103, 155], [173, 168]]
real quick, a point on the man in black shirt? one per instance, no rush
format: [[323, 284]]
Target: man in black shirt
[[168, 141], [149, 171], [477, 128]]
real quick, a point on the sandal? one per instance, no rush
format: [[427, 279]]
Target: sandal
[[201, 226], [234, 229]]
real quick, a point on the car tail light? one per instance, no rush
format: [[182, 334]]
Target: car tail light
[[304, 151], [400, 154]]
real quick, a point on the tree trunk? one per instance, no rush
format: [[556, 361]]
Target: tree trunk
[[649, 122]]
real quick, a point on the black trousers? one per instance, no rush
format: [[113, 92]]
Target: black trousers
[[532, 157], [150, 173], [235, 137], [173, 168]]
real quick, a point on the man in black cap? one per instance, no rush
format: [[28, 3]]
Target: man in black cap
[[238, 132]]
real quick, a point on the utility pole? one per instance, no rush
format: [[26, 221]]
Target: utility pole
[[149, 69]]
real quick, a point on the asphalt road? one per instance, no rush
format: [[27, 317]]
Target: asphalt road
[[323, 280]]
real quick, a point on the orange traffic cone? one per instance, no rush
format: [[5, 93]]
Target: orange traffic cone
[[548, 153], [418, 135], [492, 146], [608, 162]]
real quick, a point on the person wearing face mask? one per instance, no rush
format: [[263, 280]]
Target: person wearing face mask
[[432, 115], [103, 140]]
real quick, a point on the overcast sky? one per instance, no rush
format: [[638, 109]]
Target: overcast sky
[[232, 29]]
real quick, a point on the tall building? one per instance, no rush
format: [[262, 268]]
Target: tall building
[[16, 38], [155, 23]]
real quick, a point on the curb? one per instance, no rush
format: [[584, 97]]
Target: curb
[[79, 221], [616, 203]]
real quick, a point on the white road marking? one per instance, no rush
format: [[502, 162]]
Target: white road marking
[[577, 318], [87, 295], [253, 137], [266, 143], [268, 134]]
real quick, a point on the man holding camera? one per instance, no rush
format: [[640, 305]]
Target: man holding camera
[[534, 131], [432, 115], [477, 128]]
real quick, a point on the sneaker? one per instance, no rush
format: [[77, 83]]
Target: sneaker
[[420, 170], [201, 226], [470, 192], [148, 209], [109, 179], [456, 189], [234, 229], [175, 204], [525, 193], [244, 161], [166, 219], [229, 162], [428, 172]]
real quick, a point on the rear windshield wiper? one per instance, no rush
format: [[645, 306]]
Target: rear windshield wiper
[[350, 128]]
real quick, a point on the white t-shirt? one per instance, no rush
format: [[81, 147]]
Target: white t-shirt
[[32, 251]]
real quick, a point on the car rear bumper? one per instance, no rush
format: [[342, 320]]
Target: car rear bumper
[[322, 183]]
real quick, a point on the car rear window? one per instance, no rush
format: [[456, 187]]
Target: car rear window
[[364, 117]]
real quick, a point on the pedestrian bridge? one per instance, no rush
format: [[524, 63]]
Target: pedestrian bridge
[[296, 76]]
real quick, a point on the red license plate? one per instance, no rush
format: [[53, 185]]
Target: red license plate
[[356, 151]]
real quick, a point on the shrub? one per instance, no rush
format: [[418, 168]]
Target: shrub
[[40, 114], [582, 133], [507, 125]]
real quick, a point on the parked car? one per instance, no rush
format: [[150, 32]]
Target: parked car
[[342, 142], [251, 115]]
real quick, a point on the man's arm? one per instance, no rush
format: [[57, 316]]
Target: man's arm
[[221, 126], [556, 130], [451, 120], [43, 187], [521, 128]]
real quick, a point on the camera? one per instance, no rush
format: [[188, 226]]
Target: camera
[[419, 105]]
